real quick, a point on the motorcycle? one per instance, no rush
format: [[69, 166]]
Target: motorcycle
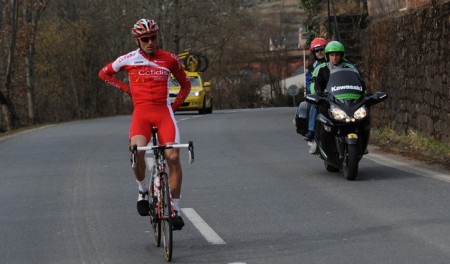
[[342, 126]]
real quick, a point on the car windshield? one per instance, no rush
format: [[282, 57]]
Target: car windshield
[[173, 82], [195, 81]]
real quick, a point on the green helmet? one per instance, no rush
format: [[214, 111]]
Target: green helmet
[[334, 47]]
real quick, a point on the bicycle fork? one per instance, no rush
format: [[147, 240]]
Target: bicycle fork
[[163, 192], [133, 158]]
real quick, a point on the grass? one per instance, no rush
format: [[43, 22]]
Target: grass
[[412, 145]]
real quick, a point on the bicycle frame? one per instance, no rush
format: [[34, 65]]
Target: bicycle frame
[[161, 200]]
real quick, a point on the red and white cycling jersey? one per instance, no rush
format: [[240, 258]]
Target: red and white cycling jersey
[[148, 77], [149, 87]]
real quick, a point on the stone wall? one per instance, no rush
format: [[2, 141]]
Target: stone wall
[[384, 7], [408, 57], [413, 4]]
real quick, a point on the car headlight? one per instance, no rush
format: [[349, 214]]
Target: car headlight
[[196, 93], [337, 113], [361, 112]]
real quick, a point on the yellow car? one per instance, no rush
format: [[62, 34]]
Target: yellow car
[[200, 97]]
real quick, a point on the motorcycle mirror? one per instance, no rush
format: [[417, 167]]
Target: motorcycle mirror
[[376, 98], [380, 96], [312, 98]]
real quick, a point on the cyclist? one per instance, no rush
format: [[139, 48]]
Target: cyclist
[[149, 70]]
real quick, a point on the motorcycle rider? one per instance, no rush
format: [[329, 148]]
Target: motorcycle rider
[[335, 56], [343, 129], [317, 48]]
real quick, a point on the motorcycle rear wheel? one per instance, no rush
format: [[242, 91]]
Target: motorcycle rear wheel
[[351, 162]]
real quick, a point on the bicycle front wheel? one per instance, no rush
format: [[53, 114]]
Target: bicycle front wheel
[[166, 222], [156, 226], [155, 222]]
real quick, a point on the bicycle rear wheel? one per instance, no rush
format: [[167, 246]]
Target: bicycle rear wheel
[[166, 222]]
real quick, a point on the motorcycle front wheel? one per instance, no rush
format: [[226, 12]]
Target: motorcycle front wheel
[[351, 162]]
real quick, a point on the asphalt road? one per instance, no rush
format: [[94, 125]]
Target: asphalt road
[[253, 195]]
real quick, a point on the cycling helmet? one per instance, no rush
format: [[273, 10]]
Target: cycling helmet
[[144, 27], [318, 43], [334, 47]]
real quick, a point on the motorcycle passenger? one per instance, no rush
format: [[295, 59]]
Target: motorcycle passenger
[[317, 48]]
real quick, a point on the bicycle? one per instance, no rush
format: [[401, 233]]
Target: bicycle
[[193, 62], [160, 199]]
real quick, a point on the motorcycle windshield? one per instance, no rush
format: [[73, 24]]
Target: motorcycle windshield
[[345, 84]]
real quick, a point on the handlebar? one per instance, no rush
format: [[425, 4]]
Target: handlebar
[[169, 146], [135, 149]]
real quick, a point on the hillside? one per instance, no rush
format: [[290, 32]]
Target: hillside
[[287, 14]]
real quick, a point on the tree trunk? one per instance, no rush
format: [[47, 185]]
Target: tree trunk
[[7, 106], [29, 64], [76, 98], [31, 19]]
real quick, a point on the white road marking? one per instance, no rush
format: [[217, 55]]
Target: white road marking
[[187, 118], [208, 233]]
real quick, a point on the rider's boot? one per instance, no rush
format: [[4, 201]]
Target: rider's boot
[[143, 206], [309, 136], [312, 147], [177, 221]]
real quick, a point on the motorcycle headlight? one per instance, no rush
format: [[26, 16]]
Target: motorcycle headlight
[[337, 113], [360, 113]]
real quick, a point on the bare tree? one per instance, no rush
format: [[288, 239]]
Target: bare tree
[[9, 113], [57, 78], [32, 13]]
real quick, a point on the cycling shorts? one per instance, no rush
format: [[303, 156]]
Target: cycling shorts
[[161, 116]]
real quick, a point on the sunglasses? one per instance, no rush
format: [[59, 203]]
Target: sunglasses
[[147, 39], [319, 49]]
